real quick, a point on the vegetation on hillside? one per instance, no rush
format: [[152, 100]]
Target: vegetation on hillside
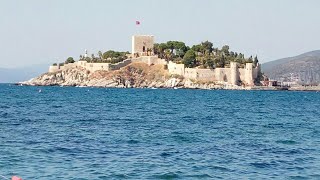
[[203, 55], [69, 60], [106, 57]]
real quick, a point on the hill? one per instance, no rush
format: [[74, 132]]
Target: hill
[[12, 75], [304, 68]]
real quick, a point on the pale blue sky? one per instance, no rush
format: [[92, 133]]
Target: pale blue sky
[[47, 31]]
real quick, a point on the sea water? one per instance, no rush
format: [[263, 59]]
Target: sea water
[[102, 133]]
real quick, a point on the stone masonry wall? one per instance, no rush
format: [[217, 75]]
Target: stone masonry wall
[[230, 75], [140, 43], [174, 68], [150, 60]]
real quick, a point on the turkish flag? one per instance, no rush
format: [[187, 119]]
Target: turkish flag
[[137, 22]]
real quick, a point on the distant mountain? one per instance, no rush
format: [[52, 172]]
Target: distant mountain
[[12, 75], [304, 68]]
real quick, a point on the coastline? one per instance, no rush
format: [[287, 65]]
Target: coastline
[[197, 87], [140, 75]]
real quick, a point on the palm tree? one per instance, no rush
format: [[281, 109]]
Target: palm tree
[[100, 55]]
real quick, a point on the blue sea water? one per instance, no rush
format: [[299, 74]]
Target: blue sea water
[[98, 133]]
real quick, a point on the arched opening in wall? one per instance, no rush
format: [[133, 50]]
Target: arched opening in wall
[[143, 49], [225, 79]]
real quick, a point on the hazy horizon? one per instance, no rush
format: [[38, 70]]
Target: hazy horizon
[[40, 32]]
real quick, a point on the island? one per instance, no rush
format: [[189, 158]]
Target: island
[[158, 65]]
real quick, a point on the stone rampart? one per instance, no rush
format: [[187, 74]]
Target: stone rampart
[[231, 75], [53, 69], [150, 60], [120, 64], [174, 68]]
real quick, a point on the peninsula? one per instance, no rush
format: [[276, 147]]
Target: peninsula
[[152, 65]]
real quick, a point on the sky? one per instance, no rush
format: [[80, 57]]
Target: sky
[[46, 31]]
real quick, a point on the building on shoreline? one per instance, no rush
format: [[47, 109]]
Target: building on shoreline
[[142, 51]]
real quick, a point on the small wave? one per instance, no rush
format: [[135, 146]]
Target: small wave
[[220, 168], [4, 115], [117, 176], [166, 176], [4, 107], [56, 106], [288, 142], [200, 176], [131, 141], [298, 177], [262, 165], [316, 176]]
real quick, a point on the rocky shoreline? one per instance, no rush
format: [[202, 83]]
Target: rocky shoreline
[[135, 75]]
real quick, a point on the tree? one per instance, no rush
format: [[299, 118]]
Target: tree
[[197, 48], [241, 56], [167, 54], [207, 46], [189, 59], [225, 50], [69, 60], [100, 55], [180, 48], [232, 54], [171, 45], [162, 47], [109, 54], [220, 61], [156, 49], [210, 63], [255, 61], [180, 53], [159, 49], [250, 60]]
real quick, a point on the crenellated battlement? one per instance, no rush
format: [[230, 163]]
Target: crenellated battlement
[[233, 75]]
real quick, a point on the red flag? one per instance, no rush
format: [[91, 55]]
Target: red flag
[[137, 22]]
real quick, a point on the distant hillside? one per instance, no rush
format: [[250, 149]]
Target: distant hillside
[[12, 75], [305, 68]]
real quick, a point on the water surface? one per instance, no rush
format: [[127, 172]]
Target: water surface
[[97, 133]]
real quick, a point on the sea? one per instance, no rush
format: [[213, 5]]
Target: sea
[[73, 133]]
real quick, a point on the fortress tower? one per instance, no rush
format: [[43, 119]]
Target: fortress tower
[[249, 74], [141, 44], [234, 74]]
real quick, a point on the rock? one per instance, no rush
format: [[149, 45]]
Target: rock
[[135, 75]]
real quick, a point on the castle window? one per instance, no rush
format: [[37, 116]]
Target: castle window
[[143, 49]]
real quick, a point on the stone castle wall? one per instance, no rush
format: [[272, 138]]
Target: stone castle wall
[[174, 68], [90, 66], [231, 75], [150, 60], [200, 74], [119, 65], [140, 43]]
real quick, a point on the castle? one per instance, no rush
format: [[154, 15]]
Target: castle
[[142, 51]]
